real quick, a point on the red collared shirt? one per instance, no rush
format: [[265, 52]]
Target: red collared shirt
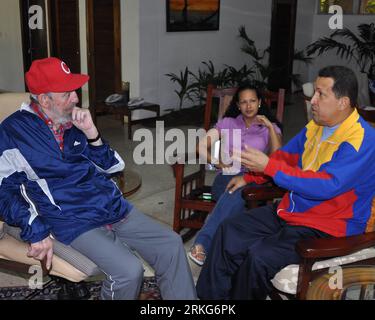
[[57, 133]]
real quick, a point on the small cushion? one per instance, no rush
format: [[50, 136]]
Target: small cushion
[[1, 229], [286, 279], [11, 102]]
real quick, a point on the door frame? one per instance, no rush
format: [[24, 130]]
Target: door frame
[[291, 34], [54, 37], [91, 50], [53, 42], [26, 34]]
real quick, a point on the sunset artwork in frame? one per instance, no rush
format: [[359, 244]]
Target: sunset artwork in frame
[[193, 15]]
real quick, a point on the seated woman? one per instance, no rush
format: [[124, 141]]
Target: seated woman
[[259, 129]]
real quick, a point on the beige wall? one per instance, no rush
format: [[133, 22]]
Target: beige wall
[[83, 49], [163, 52], [129, 46], [11, 60], [130, 29]]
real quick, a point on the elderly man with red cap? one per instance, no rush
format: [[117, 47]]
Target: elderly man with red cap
[[72, 198]]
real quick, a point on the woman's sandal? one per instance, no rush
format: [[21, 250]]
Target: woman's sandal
[[198, 252]]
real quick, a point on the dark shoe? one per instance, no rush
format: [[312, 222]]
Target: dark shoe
[[72, 290]]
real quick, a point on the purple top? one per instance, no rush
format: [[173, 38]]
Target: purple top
[[256, 136]]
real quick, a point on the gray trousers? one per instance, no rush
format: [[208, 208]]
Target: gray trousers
[[111, 251]]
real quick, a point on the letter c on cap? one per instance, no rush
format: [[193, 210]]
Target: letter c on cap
[[65, 67]]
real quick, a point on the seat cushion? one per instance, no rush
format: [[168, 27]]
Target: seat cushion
[[286, 279], [67, 253], [11, 102], [1, 229], [14, 250]]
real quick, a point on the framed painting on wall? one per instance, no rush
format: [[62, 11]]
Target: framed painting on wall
[[192, 15]]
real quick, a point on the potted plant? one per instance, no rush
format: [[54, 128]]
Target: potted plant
[[259, 59], [185, 87], [359, 48]]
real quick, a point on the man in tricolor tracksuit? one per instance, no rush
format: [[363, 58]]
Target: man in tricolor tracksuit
[[329, 170]]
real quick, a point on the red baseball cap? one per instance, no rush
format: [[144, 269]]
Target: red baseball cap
[[52, 75]]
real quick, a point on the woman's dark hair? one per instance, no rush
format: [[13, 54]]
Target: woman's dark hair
[[233, 110]]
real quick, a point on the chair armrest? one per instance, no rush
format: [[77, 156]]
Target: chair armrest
[[264, 192], [43, 263], [183, 158], [332, 247]]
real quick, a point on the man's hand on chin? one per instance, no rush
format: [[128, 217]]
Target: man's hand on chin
[[81, 118]]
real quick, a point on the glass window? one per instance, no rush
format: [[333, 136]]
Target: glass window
[[346, 5], [349, 6], [367, 7]]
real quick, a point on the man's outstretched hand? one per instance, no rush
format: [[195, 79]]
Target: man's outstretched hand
[[252, 159], [41, 249]]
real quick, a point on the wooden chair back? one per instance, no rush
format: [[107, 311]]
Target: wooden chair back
[[271, 97], [190, 207], [225, 96]]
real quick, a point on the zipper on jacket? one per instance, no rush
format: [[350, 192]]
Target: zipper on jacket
[[315, 156], [312, 162], [292, 201]]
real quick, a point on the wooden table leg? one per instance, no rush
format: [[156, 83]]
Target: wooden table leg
[[130, 125]]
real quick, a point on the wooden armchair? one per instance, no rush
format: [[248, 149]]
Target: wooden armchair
[[310, 279], [67, 263], [69, 267], [320, 259], [190, 208]]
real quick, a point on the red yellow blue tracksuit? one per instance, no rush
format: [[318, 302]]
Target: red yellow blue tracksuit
[[331, 185]]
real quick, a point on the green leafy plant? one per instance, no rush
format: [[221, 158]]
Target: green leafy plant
[[261, 67], [259, 58], [370, 8], [201, 80], [192, 86], [300, 55], [185, 88], [206, 76], [238, 76], [359, 48]]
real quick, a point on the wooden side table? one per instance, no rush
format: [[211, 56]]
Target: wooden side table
[[128, 182], [124, 110]]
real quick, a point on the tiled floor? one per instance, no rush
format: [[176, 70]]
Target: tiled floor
[[156, 195]]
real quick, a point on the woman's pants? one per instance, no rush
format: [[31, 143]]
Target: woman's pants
[[227, 205]]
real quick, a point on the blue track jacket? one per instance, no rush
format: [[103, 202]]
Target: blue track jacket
[[46, 190]]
